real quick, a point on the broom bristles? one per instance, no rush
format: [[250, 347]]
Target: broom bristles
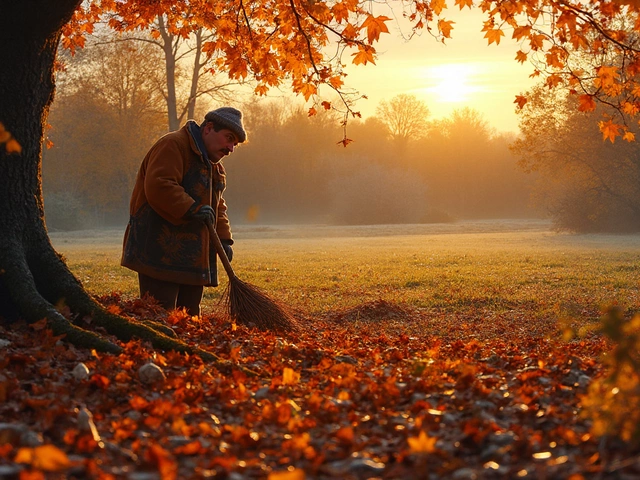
[[247, 304]]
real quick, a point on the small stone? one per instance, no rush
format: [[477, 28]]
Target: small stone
[[366, 465], [9, 471], [150, 373], [4, 343], [584, 380], [464, 474], [346, 359], [31, 439], [261, 393], [143, 476], [355, 465], [80, 372], [178, 440]]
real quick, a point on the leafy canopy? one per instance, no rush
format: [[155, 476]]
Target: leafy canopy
[[590, 48]]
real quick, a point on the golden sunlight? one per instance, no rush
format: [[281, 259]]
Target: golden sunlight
[[453, 81]]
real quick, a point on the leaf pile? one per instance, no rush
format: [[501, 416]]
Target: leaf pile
[[340, 400]]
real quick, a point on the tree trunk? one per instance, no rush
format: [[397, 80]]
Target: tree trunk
[[170, 66], [34, 279], [195, 77]]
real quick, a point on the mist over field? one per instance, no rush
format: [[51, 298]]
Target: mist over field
[[504, 265]]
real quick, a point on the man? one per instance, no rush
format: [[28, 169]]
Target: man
[[178, 191]]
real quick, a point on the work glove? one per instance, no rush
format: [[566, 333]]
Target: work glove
[[204, 214], [226, 245]]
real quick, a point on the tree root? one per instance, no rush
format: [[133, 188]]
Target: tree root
[[34, 298], [20, 285]]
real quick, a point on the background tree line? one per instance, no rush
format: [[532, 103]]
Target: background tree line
[[584, 184], [403, 166]]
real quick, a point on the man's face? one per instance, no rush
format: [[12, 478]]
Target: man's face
[[218, 144]]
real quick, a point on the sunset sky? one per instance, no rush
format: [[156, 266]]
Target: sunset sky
[[464, 72]]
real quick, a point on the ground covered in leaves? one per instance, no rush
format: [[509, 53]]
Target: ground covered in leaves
[[376, 391]]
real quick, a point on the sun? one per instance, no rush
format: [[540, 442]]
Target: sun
[[451, 82]]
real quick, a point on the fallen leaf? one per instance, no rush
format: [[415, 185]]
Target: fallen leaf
[[46, 457]]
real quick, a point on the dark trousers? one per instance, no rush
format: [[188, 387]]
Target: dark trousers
[[172, 295]]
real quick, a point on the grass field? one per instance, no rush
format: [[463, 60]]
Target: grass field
[[476, 270]]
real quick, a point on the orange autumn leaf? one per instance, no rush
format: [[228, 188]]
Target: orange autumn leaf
[[629, 137], [340, 12], [630, 108], [553, 60], [138, 403], [586, 103], [520, 32], [375, 26], [336, 82], [10, 144], [295, 474], [164, 462], [363, 56], [537, 41], [349, 31], [308, 90], [567, 20], [422, 443], [345, 141], [290, 376], [5, 450], [606, 76], [445, 27], [438, 5], [553, 80], [345, 435], [191, 448], [100, 381], [610, 130], [464, 3], [32, 475], [45, 457], [261, 90], [494, 35], [521, 57], [520, 101], [115, 309], [13, 146], [301, 441]]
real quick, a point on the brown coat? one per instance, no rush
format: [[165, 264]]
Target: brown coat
[[158, 242]]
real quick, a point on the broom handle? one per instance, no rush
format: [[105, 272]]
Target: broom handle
[[220, 249]]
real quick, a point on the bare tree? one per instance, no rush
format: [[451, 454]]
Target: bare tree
[[188, 73], [405, 117], [107, 113]]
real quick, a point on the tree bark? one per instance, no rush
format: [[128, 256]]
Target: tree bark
[[34, 279], [170, 68], [195, 77]]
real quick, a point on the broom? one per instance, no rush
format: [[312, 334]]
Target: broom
[[246, 303]]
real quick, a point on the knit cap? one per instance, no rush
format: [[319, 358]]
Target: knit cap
[[230, 118]]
